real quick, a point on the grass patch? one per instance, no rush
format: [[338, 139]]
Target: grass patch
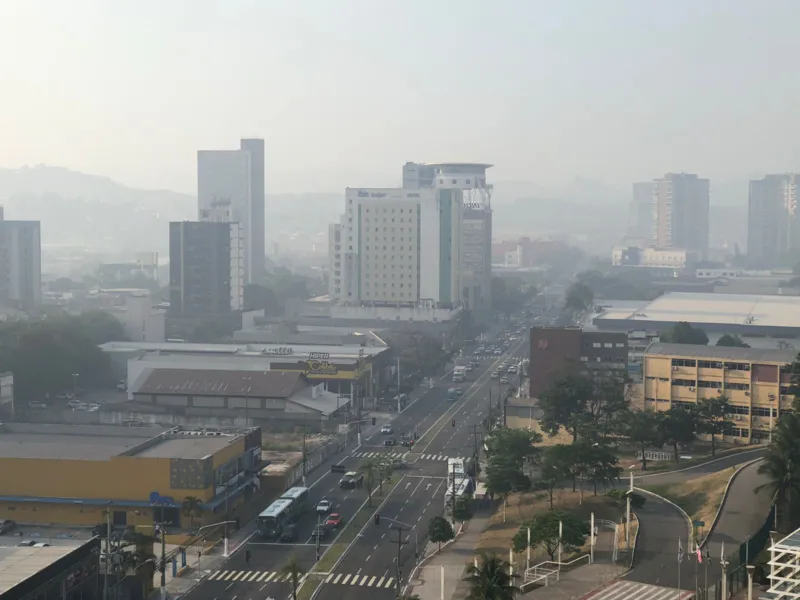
[[700, 497], [308, 588], [523, 507]]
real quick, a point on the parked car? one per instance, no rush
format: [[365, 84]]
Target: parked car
[[6, 526], [334, 520], [26, 544], [41, 545], [325, 506]]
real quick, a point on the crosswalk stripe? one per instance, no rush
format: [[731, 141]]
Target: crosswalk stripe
[[364, 580], [238, 574], [214, 575], [264, 574], [389, 582], [380, 581], [354, 580], [229, 575], [346, 579], [371, 581], [271, 575], [338, 577], [253, 576], [329, 577]]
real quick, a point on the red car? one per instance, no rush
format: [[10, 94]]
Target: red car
[[334, 520]]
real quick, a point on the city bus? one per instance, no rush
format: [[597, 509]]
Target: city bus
[[274, 518], [299, 499]]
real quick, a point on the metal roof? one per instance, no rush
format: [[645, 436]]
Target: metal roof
[[722, 352], [219, 382]]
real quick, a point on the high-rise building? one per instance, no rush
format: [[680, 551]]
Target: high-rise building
[[396, 246], [475, 244], [640, 223], [20, 263], [255, 147], [680, 212], [236, 177], [417, 175], [206, 274], [773, 229]]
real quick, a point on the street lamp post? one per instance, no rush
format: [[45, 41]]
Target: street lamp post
[[75, 384], [411, 528]]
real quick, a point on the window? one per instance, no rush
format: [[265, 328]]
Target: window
[[684, 362], [759, 411], [709, 364], [745, 387], [619, 345], [596, 345], [684, 382], [737, 367], [738, 410], [608, 345], [710, 384]]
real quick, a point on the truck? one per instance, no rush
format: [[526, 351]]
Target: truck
[[459, 373]]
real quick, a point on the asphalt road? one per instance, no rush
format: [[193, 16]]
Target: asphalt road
[[661, 524], [413, 502]]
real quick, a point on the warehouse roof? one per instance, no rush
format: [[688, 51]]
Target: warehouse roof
[[722, 352], [218, 382], [270, 351], [19, 564], [741, 310]]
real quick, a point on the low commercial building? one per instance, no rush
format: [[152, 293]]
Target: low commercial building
[[742, 314], [71, 474], [555, 349], [756, 383], [61, 572]]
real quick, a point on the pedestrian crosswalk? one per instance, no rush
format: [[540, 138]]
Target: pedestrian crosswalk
[[372, 581], [627, 590], [399, 455], [250, 576]]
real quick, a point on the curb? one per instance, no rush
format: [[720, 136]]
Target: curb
[[698, 465], [678, 508], [725, 498], [635, 539], [426, 558]]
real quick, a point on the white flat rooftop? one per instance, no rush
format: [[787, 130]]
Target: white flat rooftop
[[268, 350], [722, 309]]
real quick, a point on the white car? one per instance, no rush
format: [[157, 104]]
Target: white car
[[386, 429], [325, 506]]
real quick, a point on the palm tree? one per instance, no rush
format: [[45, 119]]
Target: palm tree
[[294, 572], [491, 579], [781, 464], [192, 507]]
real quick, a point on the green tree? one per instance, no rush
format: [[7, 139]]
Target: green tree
[[678, 427], [580, 297], [603, 409], [620, 498], [564, 403], [191, 508], [781, 465], [711, 418], [491, 579], [732, 341], [440, 530], [544, 533], [555, 468], [644, 429], [683, 333], [100, 327], [516, 444], [503, 477], [463, 509], [602, 465], [294, 572]]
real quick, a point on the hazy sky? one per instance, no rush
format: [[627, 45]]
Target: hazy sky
[[345, 91]]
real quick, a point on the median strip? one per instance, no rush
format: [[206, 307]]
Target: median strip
[[336, 551]]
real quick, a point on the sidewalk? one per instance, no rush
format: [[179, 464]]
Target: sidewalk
[[450, 561]]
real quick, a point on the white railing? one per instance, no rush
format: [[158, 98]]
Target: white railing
[[544, 570]]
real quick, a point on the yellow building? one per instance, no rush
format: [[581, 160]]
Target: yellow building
[[755, 381], [70, 474]]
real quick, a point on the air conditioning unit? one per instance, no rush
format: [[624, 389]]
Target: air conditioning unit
[[772, 396], [720, 391], [747, 393], [737, 417], [674, 368], [691, 389]]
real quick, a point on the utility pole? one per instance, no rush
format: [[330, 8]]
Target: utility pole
[[453, 502], [163, 561], [305, 454], [476, 429], [400, 544], [108, 552], [490, 410]]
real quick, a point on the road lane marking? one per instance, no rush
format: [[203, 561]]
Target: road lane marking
[[371, 581], [346, 579]]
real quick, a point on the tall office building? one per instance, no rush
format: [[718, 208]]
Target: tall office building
[[680, 212], [773, 229], [255, 147], [475, 244], [395, 246], [237, 177], [206, 274], [20, 263], [640, 220]]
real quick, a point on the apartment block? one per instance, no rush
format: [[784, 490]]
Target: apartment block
[[756, 383], [773, 229], [681, 212], [554, 350]]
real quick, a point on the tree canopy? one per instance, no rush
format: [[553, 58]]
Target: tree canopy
[[544, 533], [683, 333], [732, 341], [440, 530]]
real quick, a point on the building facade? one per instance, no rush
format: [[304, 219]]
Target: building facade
[[756, 382], [206, 270], [640, 219], [681, 212], [225, 179], [258, 202], [20, 264], [417, 175], [632, 256], [554, 350], [773, 230]]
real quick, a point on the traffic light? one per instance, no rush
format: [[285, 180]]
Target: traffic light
[[377, 519], [374, 420], [453, 422]]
